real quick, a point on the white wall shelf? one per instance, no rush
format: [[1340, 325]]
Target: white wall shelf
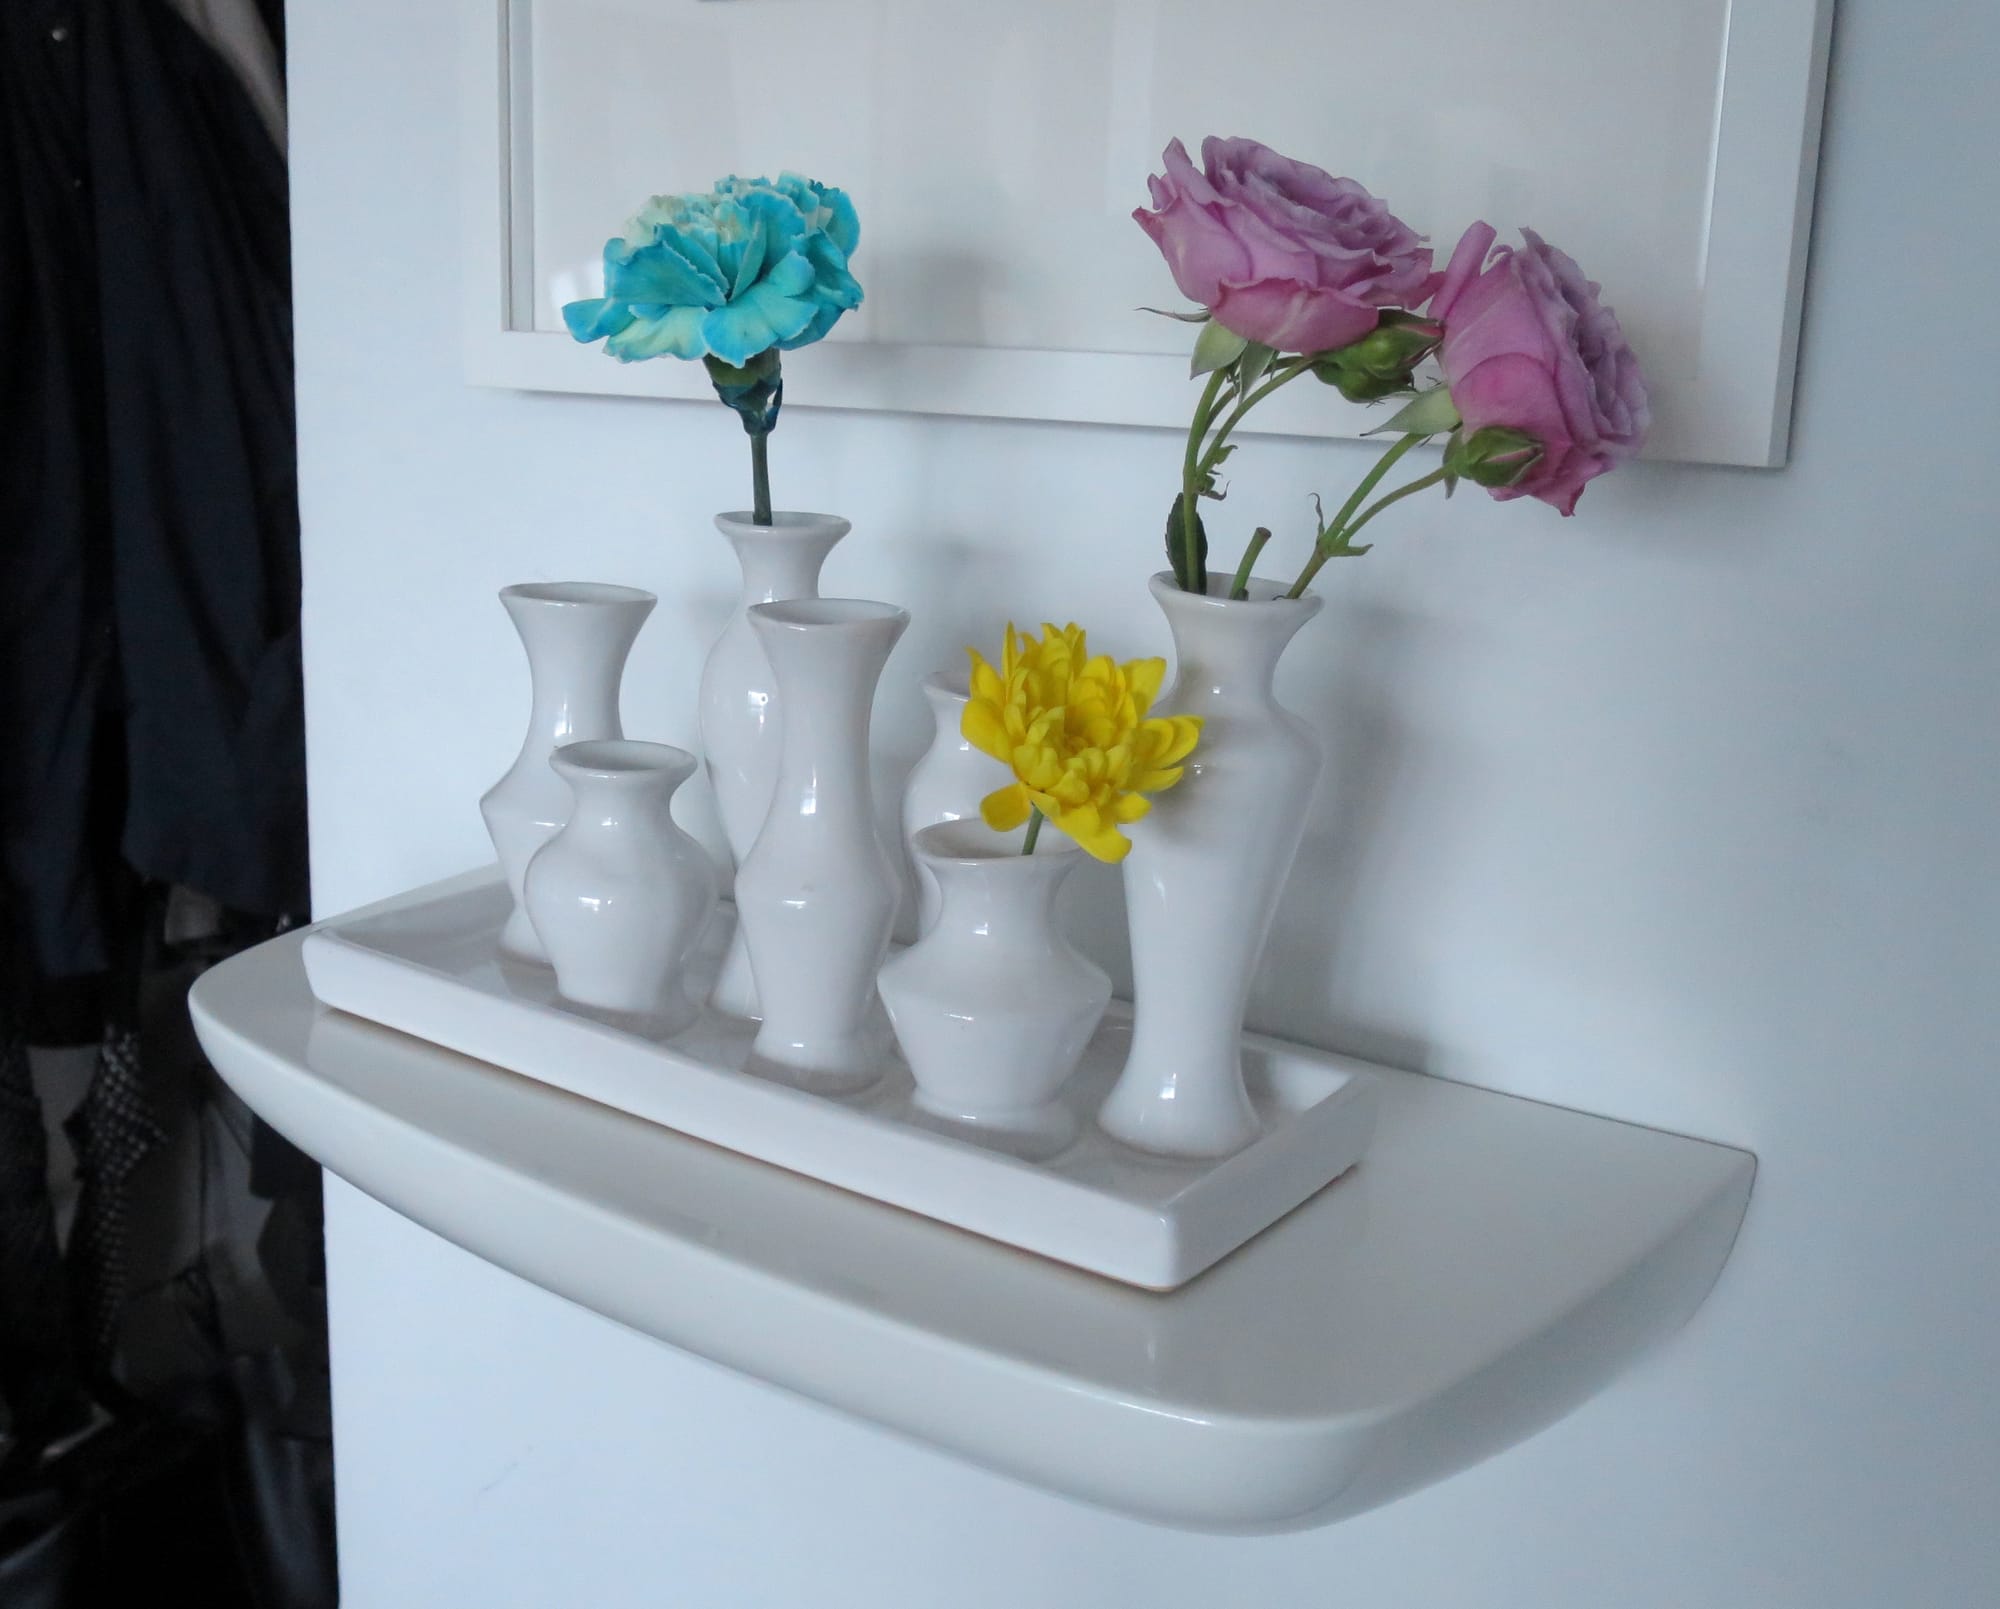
[[1491, 1265]]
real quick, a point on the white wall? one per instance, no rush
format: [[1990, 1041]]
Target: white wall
[[1682, 811]]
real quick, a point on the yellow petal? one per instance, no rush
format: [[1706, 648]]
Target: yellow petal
[[1144, 677], [1005, 809], [985, 728], [1096, 837]]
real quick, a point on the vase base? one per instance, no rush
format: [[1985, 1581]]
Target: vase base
[[1036, 1135], [1146, 1119], [520, 942], [846, 1067]]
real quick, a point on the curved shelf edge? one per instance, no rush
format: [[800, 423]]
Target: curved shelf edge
[[1494, 1263]]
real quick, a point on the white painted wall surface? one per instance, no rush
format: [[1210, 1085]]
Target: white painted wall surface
[[1683, 811]]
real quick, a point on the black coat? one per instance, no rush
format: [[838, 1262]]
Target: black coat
[[150, 701]]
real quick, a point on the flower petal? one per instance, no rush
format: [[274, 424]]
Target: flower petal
[[657, 332], [1006, 808]]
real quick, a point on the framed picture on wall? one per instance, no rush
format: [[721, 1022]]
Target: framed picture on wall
[[996, 154]]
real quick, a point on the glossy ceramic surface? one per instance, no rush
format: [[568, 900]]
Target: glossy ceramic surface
[[993, 1006], [433, 968], [817, 894], [620, 896], [1492, 1265], [947, 784], [577, 635], [1206, 869], [738, 698]]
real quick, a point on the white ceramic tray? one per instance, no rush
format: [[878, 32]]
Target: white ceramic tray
[[434, 970]]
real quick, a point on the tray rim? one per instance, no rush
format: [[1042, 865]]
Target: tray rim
[[1156, 1246]]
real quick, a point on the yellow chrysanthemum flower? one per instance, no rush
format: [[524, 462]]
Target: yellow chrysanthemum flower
[[1075, 733]]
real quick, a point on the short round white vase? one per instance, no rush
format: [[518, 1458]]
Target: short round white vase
[[577, 635], [1207, 866], [947, 784], [738, 699], [620, 895], [993, 1006], [817, 894]]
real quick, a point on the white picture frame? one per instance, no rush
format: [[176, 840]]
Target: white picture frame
[[1727, 402]]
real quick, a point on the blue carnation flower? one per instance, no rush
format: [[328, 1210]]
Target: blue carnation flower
[[752, 266]]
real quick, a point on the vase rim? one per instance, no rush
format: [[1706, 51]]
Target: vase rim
[[952, 684], [970, 842], [784, 522], [614, 759], [820, 614], [577, 594], [1167, 590]]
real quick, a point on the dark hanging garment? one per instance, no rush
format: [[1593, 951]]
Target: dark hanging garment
[[194, 298], [149, 578], [151, 756]]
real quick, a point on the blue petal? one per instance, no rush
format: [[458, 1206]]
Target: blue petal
[[660, 332], [756, 321], [844, 227], [792, 275], [824, 319], [832, 282], [670, 270], [593, 320], [751, 263]]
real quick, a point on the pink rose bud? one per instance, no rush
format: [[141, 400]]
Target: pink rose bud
[[1282, 252], [1528, 347]]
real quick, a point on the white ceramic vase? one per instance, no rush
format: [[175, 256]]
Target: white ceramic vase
[[993, 1006], [740, 734], [1206, 869], [947, 784], [577, 634], [620, 895], [817, 894]]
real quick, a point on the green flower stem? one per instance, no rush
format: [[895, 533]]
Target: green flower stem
[[1035, 820], [760, 477], [1191, 478], [1240, 587], [1331, 538], [1346, 536], [1284, 374]]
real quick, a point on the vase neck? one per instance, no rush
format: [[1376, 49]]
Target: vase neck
[[1006, 897], [947, 695], [616, 782], [576, 659], [782, 559], [1227, 650], [827, 657]]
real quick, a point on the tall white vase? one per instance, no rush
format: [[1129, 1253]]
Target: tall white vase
[[1206, 869], [620, 895], [577, 634], [739, 712], [947, 784], [993, 1006], [817, 894]]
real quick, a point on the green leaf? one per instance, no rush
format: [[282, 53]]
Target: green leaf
[[1176, 550], [1428, 413], [1216, 347], [1251, 366], [1200, 315]]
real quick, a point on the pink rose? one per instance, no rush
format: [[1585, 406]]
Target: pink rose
[[1527, 345], [1280, 251]]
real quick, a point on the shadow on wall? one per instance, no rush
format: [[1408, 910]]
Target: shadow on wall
[[1354, 825]]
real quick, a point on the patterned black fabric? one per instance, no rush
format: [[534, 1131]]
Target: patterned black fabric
[[114, 1130]]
